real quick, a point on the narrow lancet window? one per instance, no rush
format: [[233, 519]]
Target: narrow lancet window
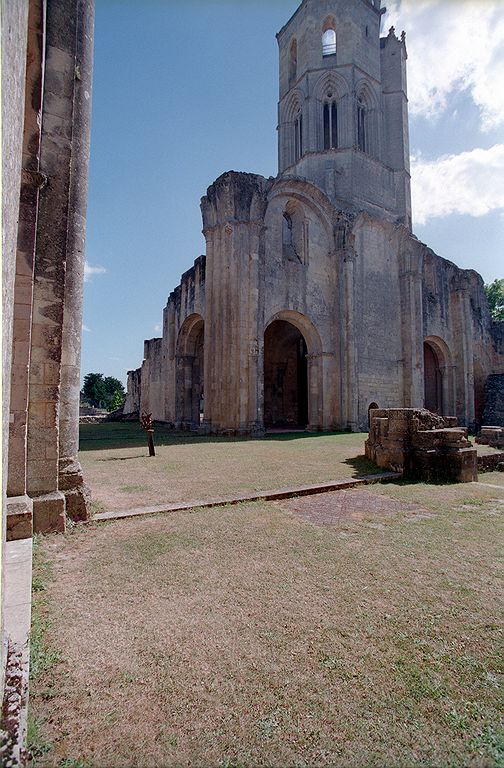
[[361, 128], [293, 63], [298, 137], [330, 125]]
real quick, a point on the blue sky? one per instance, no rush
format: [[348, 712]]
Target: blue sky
[[185, 90]]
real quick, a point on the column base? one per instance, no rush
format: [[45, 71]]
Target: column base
[[49, 513], [78, 503], [19, 518], [77, 493]]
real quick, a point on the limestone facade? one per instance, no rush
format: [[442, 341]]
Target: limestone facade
[[314, 301]]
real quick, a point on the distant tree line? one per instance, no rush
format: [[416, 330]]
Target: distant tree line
[[103, 391], [495, 296]]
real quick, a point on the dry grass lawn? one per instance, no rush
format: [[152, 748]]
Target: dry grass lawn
[[188, 467], [248, 636]]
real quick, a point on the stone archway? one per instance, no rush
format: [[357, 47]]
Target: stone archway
[[433, 387], [438, 377], [292, 373], [285, 376], [190, 373]]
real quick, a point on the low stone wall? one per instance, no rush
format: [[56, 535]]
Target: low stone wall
[[421, 445], [93, 419], [494, 395], [491, 462], [493, 436]]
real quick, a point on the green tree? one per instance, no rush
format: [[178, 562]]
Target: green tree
[[102, 391], [116, 401], [495, 296]]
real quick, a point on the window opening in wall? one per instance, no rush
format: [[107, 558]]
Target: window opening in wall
[[330, 125], [293, 63], [329, 42], [372, 407], [298, 137], [361, 127]]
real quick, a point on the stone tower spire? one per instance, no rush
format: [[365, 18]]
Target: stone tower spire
[[342, 112]]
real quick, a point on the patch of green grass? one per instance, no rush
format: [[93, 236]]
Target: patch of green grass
[[148, 547], [97, 507], [489, 743], [37, 746], [43, 657]]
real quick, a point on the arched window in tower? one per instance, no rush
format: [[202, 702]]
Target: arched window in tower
[[362, 139], [330, 123], [329, 42], [293, 63]]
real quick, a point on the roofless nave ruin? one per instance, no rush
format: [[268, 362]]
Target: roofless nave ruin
[[315, 301]]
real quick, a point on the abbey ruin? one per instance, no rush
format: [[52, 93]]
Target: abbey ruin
[[315, 301]]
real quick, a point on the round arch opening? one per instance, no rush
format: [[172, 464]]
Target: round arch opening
[[285, 377], [433, 379], [190, 372]]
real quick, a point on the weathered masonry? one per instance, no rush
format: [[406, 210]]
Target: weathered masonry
[[315, 302], [47, 56]]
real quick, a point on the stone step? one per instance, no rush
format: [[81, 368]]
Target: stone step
[[279, 493], [19, 518]]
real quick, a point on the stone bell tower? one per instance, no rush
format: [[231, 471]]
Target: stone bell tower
[[342, 113]]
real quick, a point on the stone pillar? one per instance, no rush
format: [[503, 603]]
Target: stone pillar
[[350, 393], [19, 505], [466, 381], [70, 472], [315, 407], [60, 229], [412, 329]]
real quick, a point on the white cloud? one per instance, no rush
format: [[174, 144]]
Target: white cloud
[[470, 183], [453, 46], [158, 328], [89, 271], [85, 328]]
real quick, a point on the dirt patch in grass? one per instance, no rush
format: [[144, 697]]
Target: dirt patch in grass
[[187, 468], [335, 508], [247, 636]]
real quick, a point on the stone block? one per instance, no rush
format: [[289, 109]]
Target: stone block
[[19, 522], [49, 513], [78, 502]]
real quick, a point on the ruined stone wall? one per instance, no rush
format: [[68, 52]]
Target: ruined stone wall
[[457, 322], [233, 212], [43, 471], [493, 414], [302, 287], [133, 392], [379, 349], [152, 395], [421, 445]]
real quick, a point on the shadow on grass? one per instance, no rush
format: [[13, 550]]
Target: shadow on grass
[[101, 436], [362, 466]]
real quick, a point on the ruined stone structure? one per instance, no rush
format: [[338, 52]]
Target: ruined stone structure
[[47, 50], [314, 301], [421, 445]]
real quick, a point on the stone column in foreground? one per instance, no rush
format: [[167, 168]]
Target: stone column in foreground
[[70, 473]]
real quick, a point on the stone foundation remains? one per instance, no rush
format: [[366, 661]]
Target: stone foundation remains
[[421, 445], [493, 436]]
